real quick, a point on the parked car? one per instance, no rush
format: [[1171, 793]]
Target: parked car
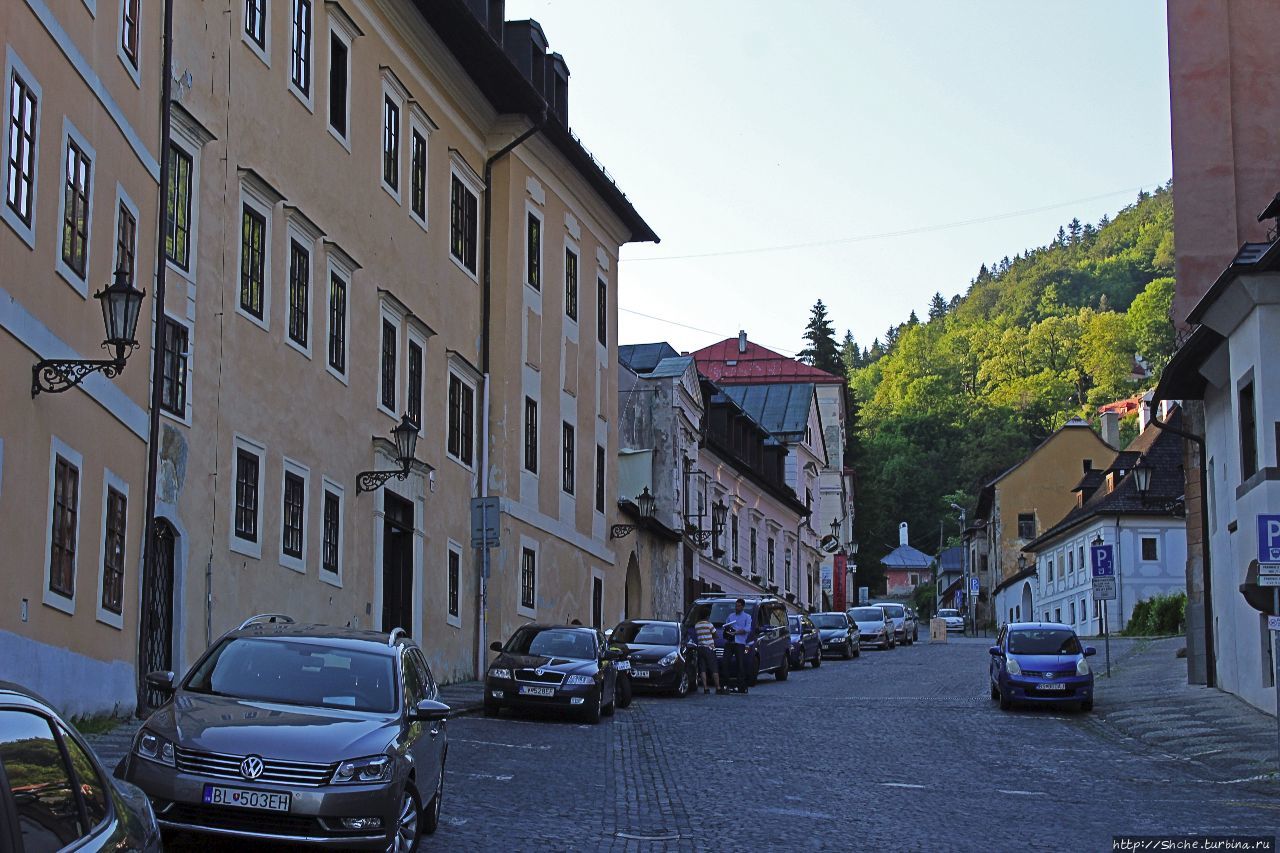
[[955, 622], [768, 645], [656, 650], [298, 733], [840, 635], [1040, 662], [563, 667], [806, 642], [874, 625], [898, 618], [913, 624], [54, 793]]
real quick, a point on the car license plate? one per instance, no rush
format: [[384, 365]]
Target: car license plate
[[242, 798], [1058, 686], [528, 690], [623, 666], [640, 673]]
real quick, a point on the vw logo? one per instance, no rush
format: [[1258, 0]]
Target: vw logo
[[251, 767], [540, 671]]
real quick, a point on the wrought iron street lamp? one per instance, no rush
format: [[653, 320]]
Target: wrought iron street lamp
[[121, 305], [646, 505], [719, 515], [406, 439], [1142, 477]]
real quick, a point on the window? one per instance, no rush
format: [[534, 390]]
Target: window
[[1080, 558], [253, 261], [772, 556], [602, 311], [461, 420], [533, 252], [338, 85], [129, 31], [299, 293], [1084, 611], [566, 457], [1057, 614], [113, 552], [20, 166], [413, 383], [126, 240], [597, 602], [300, 58], [337, 323], [453, 581], [255, 21], [391, 143], [49, 815], [75, 209], [528, 577], [752, 549], [388, 395], [531, 435], [733, 542], [246, 510], [1026, 525], [462, 224], [786, 568], [418, 175], [1248, 433], [177, 237], [571, 284], [1071, 562], [599, 478], [331, 535], [62, 547], [292, 519], [1073, 613], [1150, 550], [173, 380]]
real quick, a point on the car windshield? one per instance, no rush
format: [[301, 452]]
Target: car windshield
[[651, 633], [553, 642], [794, 622], [714, 612], [1044, 641], [830, 620], [895, 610], [867, 614], [293, 672], [952, 614]]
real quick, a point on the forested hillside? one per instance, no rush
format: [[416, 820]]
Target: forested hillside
[[948, 401]]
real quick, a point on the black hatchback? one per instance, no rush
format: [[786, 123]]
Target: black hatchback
[[561, 667]]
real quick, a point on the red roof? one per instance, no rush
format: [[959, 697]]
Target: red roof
[[723, 362], [1123, 407]]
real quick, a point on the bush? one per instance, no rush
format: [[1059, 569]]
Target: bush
[[1158, 615]]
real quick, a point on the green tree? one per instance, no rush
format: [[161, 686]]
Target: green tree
[[821, 350], [938, 306], [1149, 324]]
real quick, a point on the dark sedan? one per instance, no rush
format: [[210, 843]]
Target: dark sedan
[[806, 643], [656, 652], [562, 667], [840, 635]]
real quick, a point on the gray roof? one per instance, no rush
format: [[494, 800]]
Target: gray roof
[[906, 557], [951, 559], [781, 409], [675, 366], [642, 358]]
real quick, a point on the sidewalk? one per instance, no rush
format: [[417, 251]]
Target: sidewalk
[[1148, 700]]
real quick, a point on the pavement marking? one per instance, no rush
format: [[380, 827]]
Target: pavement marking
[[1251, 804], [901, 785], [632, 836], [798, 812], [1022, 793], [507, 745], [498, 778]]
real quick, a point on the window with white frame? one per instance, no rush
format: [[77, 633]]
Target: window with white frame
[[64, 530], [1150, 548], [453, 585], [178, 208], [418, 175], [338, 322], [339, 82], [21, 147], [602, 311], [531, 435], [126, 237], [391, 144], [114, 526], [413, 383], [77, 186], [129, 17], [331, 533], [571, 284], [772, 559], [253, 261], [528, 578], [460, 434], [299, 293], [463, 222], [390, 357], [293, 516], [246, 504], [173, 374], [533, 250], [600, 465], [256, 30], [568, 452], [300, 50]]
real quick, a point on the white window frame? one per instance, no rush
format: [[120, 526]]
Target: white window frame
[[308, 234], [292, 466], [469, 382], [453, 547], [394, 91], [122, 198], [387, 313], [339, 263], [58, 447], [14, 65], [420, 123], [329, 485], [571, 324], [531, 545], [241, 546], [185, 418], [597, 574], [306, 98], [78, 284], [263, 52], [188, 135], [413, 335], [459, 168], [262, 198], [111, 481], [346, 31], [1154, 537], [531, 210], [134, 71]]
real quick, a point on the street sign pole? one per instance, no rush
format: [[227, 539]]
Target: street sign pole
[[1106, 635], [1275, 656]]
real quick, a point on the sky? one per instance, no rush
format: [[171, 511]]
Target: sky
[[863, 153]]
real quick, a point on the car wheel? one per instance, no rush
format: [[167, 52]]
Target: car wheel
[[622, 692], [857, 650], [595, 707], [848, 650], [753, 676], [608, 709], [995, 691], [431, 817], [817, 659], [1005, 701], [781, 673], [406, 834]]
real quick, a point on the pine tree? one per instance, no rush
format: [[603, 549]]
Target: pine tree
[[938, 306], [891, 337], [913, 320], [821, 350], [1074, 229], [850, 354], [1061, 239]]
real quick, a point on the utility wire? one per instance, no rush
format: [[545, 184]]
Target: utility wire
[[906, 232], [779, 350]]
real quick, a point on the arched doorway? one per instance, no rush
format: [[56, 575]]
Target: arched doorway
[[1026, 609], [156, 647], [632, 594]]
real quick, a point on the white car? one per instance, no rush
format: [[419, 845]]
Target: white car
[[955, 622]]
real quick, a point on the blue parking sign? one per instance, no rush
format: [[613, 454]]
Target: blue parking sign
[[1104, 565], [1268, 538]]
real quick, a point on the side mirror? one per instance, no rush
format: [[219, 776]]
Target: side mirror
[[495, 646], [995, 651], [428, 711], [1090, 651], [162, 680]]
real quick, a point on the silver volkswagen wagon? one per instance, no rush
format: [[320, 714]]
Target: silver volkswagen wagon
[[298, 733]]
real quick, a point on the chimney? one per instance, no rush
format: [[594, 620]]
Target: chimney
[[526, 44], [1111, 429], [742, 340], [1087, 465], [902, 533]]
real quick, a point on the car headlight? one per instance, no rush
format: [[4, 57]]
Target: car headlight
[[372, 768], [1082, 667], [580, 679], [668, 659], [152, 747], [499, 672], [1013, 666]]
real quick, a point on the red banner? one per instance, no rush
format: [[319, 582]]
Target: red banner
[[839, 577]]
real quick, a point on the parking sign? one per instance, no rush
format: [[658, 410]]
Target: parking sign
[[973, 585], [1104, 565], [1268, 538]]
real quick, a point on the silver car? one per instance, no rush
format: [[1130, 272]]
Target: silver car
[[874, 626], [298, 733], [955, 622], [902, 632]]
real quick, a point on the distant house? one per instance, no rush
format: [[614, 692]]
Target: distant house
[[905, 567], [950, 574]]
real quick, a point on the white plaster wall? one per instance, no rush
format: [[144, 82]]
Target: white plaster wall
[[59, 675]]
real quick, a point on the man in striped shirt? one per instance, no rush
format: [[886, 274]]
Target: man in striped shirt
[[704, 635]]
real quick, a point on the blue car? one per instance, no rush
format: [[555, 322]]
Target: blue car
[[806, 642], [1037, 662]]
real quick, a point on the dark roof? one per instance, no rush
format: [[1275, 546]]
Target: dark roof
[[986, 496], [643, 358], [951, 559], [782, 409], [727, 364], [675, 366], [1023, 574], [509, 91], [906, 557], [1158, 448], [1252, 257]]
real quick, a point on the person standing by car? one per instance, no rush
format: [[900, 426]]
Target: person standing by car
[[704, 637], [737, 629]]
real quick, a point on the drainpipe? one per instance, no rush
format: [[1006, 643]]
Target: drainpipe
[[157, 346], [486, 312], [1210, 656]]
